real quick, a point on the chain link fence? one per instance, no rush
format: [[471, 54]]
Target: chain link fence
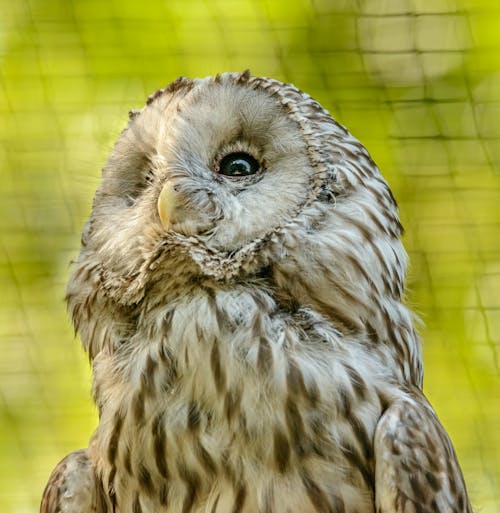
[[418, 82]]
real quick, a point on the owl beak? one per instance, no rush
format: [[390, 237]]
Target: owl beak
[[166, 204]]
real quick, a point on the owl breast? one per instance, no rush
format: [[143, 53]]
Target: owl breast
[[232, 404]]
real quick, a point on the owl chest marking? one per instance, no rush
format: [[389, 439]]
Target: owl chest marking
[[229, 390]]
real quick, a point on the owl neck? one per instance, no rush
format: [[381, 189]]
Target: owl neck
[[291, 269]]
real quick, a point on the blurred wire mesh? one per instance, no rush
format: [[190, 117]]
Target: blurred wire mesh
[[417, 81]]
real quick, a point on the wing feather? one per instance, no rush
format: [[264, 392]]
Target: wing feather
[[73, 487], [416, 468]]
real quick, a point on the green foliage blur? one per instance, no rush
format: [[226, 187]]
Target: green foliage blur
[[417, 81]]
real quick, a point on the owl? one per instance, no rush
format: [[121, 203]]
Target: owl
[[239, 292]]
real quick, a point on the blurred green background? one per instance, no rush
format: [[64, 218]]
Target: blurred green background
[[418, 82]]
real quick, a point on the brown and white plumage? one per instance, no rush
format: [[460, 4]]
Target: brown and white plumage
[[416, 468], [73, 487], [239, 291]]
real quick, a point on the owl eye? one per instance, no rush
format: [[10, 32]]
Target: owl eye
[[238, 164]]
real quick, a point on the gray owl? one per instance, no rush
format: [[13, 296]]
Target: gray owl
[[239, 292]]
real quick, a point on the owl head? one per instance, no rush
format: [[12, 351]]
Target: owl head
[[236, 179]]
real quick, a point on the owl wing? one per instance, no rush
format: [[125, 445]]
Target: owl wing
[[416, 469], [73, 487]]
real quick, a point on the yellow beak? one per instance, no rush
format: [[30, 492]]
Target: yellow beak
[[166, 204]]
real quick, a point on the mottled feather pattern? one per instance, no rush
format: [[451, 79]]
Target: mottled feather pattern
[[73, 487], [417, 470], [255, 355]]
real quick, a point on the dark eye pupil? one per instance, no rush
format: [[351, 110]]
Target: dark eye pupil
[[238, 164]]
